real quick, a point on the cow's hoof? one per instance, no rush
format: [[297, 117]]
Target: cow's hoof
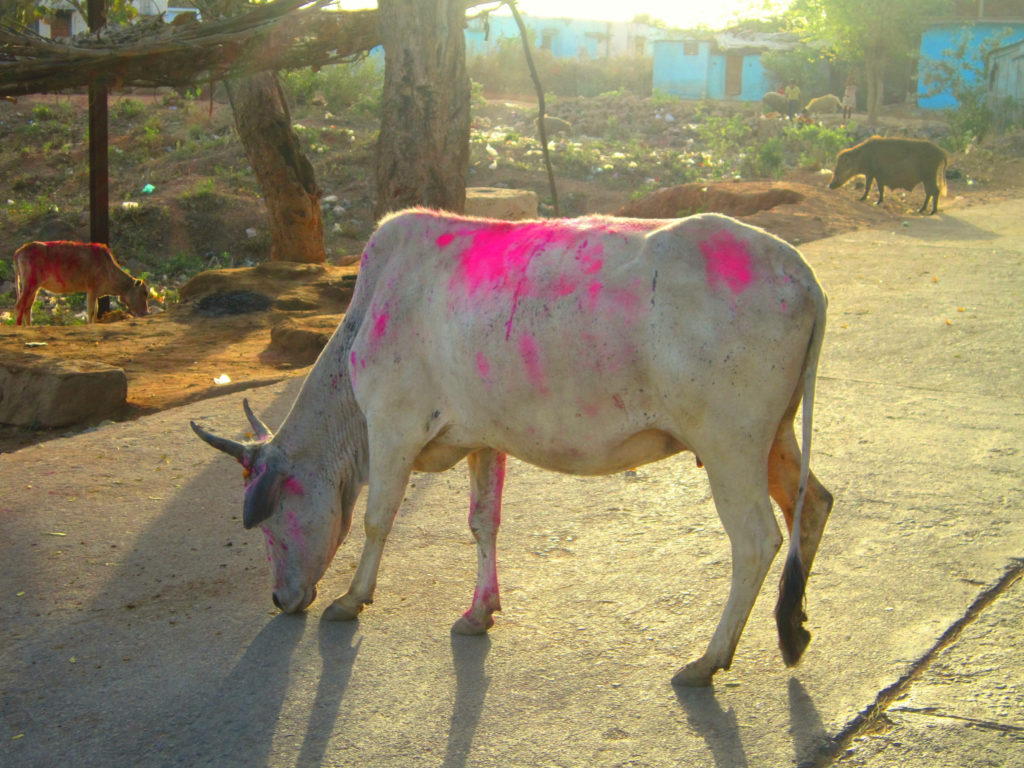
[[696, 674], [466, 626], [342, 610]]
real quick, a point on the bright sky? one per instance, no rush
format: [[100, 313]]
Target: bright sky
[[715, 14]]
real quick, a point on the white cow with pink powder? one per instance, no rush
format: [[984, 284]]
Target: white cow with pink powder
[[588, 346]]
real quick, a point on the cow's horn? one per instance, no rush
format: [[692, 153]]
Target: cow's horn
[[259, 429], [230, 447]]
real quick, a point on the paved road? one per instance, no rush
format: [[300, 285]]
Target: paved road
[[137, 627]]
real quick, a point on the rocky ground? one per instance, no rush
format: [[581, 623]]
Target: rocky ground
[[202, 212]]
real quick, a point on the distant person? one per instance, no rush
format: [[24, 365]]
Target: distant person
[[849, 98], [792, 95]]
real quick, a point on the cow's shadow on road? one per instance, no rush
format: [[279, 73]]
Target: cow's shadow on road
[[471, 683], [720, 727], [717, 726]]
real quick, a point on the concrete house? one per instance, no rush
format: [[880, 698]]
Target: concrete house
[[565, 38], [726, 65], [976, 21]]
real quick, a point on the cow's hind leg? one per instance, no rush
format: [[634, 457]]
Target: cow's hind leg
[[741, 497], [784, 484], [388, 479], [487, 476]]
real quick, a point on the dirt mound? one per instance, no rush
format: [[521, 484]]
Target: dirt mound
[[732, 199]]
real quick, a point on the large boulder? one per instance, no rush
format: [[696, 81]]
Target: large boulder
[[39, 391]]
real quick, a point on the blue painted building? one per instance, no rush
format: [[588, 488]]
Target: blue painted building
[[565, 38], [940, 40], [717, 66]]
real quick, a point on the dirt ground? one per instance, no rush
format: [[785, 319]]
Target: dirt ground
[[201, 347]]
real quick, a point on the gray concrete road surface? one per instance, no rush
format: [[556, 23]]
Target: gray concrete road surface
[[137, 628]]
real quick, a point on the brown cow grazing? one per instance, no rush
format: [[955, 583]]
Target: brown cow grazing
[[823, 105], [773, 102], [64, 266], [894, 163]]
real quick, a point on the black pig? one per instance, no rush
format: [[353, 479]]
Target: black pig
[[894, 163]]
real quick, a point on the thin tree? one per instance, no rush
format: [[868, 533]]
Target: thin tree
[[875, 32], [285, 175]]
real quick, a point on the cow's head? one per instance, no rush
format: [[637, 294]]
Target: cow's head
[[304, 513], [136, 298]]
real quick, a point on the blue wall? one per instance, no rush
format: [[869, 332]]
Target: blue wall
[[680, 74], [940, 39], [565, 38], [702, 75]]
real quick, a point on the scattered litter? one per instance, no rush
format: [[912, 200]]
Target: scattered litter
[[222, 379], [148, 189], [251, 232], [35, 343], [129, 205], [55, 533]]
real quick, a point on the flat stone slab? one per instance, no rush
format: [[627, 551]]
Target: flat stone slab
[[498, 203], [36, 390]]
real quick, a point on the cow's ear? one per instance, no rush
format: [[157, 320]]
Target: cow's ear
[[261, 497]]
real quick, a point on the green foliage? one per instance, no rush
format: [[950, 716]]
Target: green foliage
[[770, 159], [504, 72], [126, 109], [722, 135], [343, 87], [805, 64]]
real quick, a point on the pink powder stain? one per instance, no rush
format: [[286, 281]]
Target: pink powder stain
[[530, 354], [295, 531], [590, 257], [380, 324], [590, 410], [294, 486], [445, 239], [498, 255], [563, 286], [625, 300], [352, 366], [784, 306], [483, 365], [727, 262]]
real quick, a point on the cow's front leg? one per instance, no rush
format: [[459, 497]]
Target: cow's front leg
[[487, 477], [741, 498], [389, 475]]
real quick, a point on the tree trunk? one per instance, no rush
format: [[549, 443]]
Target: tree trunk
[[423, 148], [874, 70], [285, 176]]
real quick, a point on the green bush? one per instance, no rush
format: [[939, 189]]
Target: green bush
[[503, 71], [355, 86]]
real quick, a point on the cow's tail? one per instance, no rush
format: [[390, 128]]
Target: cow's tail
[[789, 612], [941, 173]]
